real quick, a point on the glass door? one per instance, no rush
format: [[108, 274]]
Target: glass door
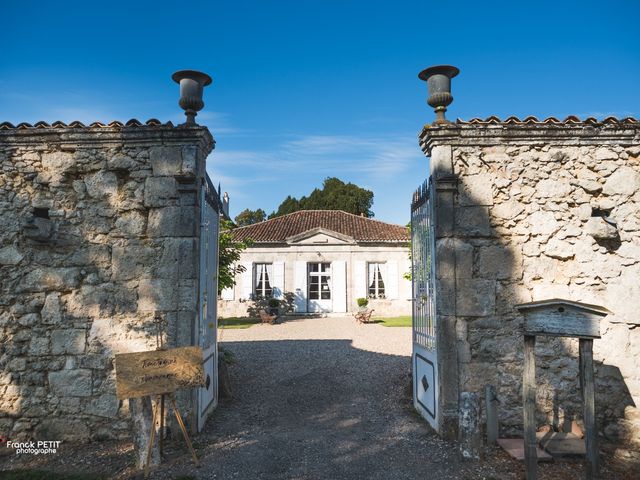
[[319, 286]]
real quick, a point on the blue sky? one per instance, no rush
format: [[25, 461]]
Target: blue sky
[[307, 89]]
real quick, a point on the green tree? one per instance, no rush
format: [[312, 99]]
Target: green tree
[[289, 205], [249, 217], [228, 256], [334, 195]]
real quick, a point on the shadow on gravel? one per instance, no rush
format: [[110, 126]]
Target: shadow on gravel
[[319, 409]]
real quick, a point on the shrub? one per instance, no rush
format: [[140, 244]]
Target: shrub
[[285, 305], [362, 302]]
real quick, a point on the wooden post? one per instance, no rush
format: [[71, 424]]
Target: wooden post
[[589, 410], [490, 401], [529, 401]]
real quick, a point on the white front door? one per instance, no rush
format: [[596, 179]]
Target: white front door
[[319, 287]]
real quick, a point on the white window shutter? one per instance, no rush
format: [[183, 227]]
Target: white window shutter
[[227, 293], [300, 286], [278, 279], [391, 281], [246, 281], [360, 280], [339, 285]]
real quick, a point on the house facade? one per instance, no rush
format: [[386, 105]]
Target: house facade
[[327, 259]]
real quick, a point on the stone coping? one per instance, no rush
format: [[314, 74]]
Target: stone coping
[[97, 134], [530, 131]]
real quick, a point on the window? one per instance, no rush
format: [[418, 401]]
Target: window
[[375, 280], [263, 276]]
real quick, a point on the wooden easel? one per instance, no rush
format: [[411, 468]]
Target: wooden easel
[[159, 408]]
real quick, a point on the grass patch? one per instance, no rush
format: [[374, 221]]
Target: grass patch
[[46, 475], [393, 321], [237, 322]]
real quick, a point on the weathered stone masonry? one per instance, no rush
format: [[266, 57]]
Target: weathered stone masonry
[[530, 210], [98, 230]]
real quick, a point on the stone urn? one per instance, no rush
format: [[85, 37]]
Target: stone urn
[[192, 84], [438, 80]]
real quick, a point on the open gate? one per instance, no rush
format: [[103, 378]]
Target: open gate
[[424, 357], [208, 315]]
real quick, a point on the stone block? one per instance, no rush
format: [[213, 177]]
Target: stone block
[[189, 160], [101, 184], [39, 345], [156, 294], [554, 189], [440, 163], [132, 261], [66, 429], [72, 341], [131, 224], [160, 191], [71, 383], [47, 279], [89, 256], [105, 405], [172, 222], [120, 161], [10, 256], [507, 210], [473, 222], [166, 161], [177, 259], [543, 223], [624, 181], [476, 190], [559, 249], [187, 295], [29, 320], [475, 297], [496, 261]]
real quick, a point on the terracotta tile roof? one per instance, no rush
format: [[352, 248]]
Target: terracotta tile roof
[[361, 229], [571, 120], [76, 124]]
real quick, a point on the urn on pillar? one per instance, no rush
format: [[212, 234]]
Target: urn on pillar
[[191, 85], [438, 80]]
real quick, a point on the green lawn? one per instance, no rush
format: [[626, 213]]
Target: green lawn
[[237, 322], [393, 321]]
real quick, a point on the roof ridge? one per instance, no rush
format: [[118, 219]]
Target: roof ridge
[[322, 210]]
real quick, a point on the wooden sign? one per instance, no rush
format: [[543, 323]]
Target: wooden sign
[[158, 372], [562, 318]]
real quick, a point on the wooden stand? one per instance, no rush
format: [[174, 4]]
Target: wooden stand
[[159, 406], [561, 318]]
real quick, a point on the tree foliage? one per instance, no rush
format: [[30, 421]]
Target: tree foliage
[[229, 254], [249, 217], [334, 195]]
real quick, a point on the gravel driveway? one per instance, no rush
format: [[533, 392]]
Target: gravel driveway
[[326, 398]]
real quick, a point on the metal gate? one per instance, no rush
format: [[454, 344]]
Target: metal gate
[[208, 315], [424, 359]]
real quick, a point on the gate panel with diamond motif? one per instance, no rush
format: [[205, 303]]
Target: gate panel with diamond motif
[[424, 359]]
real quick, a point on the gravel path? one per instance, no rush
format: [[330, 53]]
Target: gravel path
[[326, 398]]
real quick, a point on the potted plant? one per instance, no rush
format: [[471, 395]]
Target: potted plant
[[274, 306], [362, 303]]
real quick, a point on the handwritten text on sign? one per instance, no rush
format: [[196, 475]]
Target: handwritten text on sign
[[158, 371]]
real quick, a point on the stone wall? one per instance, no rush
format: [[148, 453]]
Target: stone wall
[[541, 210], [98, 231]]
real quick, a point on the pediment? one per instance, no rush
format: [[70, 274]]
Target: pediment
[[320, 236]]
